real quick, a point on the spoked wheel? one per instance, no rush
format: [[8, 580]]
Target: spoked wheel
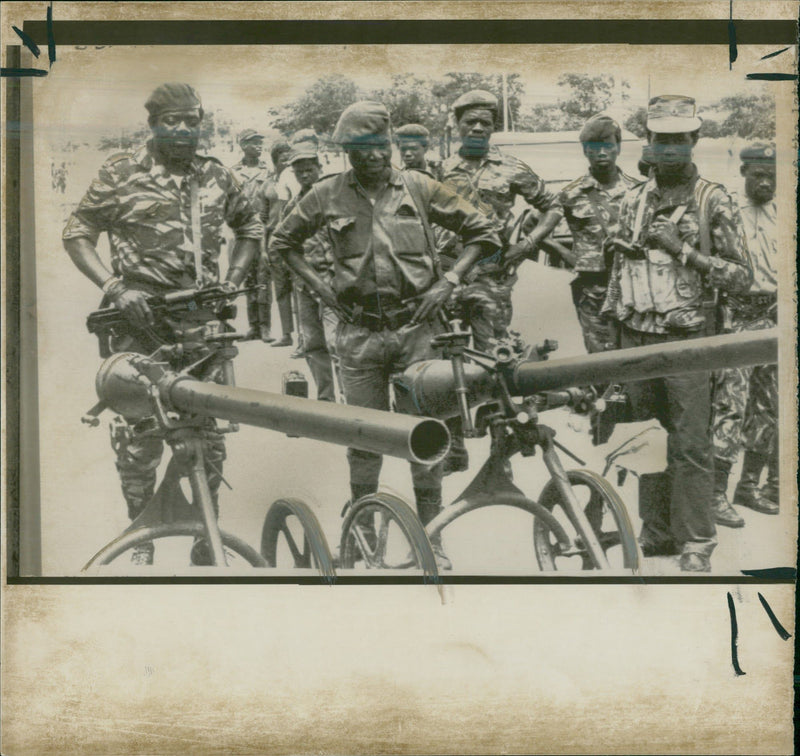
[[292, 535], [236, 549], [607, 516], [382, 532]]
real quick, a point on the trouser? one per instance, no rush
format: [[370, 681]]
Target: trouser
[[732, 407], [259, 303], [485, 306], [312, 333], [367, 360], [138, 453], [282, 281], [675, 504], [588, 295]]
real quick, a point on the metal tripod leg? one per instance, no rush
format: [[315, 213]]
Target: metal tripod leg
[[202, 497], [571, 505]]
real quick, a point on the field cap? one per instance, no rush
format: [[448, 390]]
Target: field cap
[[758, 152], [173, 96], [248, 135], [672, 114], [475, 98], [303, 151], [601, 128], [412, 132], [361, 123]]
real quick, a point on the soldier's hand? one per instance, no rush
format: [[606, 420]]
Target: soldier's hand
[[663, 234], [432, 300], [518, 252], [133, 305]]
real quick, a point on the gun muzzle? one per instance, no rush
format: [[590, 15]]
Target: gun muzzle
[[123, 385]]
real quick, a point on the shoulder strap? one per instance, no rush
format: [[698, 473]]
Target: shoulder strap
[[197, 243], [702, 196], [413, 190]]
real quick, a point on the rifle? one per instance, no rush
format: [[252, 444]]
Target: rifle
[[174, 304]]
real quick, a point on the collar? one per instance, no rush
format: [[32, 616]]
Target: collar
[[395, 179], [147, 159], [493, 155], [590, 182], [651, 185]]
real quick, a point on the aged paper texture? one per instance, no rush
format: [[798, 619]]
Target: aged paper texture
[[119, 665]]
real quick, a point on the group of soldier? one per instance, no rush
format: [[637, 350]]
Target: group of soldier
[[373, 261]]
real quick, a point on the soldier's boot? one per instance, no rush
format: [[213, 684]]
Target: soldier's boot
[[252, 318], [367, 527], [768, 495], [746, 493], [137, 488], [429, 504], [721, 509]]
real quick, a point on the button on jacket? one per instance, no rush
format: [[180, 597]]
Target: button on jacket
[[589, 218], [146, 212], [380, 250]]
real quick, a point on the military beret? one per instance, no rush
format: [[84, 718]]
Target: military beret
[[758, 152], [360, 122], [415, 132], [173, 96], [600, 128], [247, 135], [475, 98]]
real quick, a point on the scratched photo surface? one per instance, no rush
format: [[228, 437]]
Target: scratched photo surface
[[635, 667], [99, 116]]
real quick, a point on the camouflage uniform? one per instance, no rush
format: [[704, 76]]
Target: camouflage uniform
[[658, 299], [379, 262], [146, 213], [315, 321], [492, 185], [259, 303], [590, 209], [281, 278]]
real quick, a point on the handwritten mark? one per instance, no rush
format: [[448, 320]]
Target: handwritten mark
[[22, 73], [773, 54], [733, 52], [779, 628], [771, 77], [27, 41], [734, 637]]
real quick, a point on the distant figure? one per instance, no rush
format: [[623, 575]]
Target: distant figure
[[412, 141]]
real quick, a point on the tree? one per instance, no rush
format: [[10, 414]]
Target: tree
[[751, 116], [319, 107], [588, 95], [636, 122]]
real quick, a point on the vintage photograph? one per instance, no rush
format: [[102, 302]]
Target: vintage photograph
[[384, 394], [451, 264]]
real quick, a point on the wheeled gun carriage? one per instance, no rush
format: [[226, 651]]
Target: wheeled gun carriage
[[178, 405]]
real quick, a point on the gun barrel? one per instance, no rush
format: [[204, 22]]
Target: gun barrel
[[640, 363], [428, 388], [124, 388]]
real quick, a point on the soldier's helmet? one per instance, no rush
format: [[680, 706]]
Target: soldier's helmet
[[475, 98]]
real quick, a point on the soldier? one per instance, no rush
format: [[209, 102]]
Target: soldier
[[304, 162], [491, 181], [384, 274], [253, 173], [147, 202], [591, 207], [678, 237], [274, 205], [412, 141], [746, 399]]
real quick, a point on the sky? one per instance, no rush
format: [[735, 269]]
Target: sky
[[95, 90]]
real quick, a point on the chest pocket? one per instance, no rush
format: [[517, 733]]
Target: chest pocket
[[342, 232], [408, 232]]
